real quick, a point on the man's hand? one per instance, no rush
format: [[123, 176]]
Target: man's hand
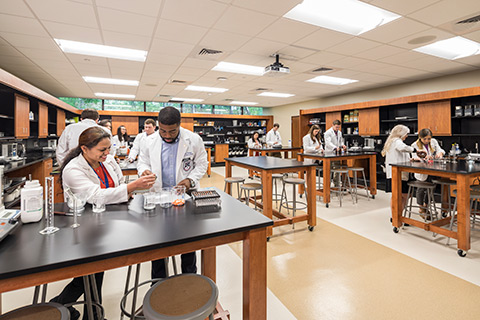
[[439, 155], [344, 147], [146, 173], [186, 183]]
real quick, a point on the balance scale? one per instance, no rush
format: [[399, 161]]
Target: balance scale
[[8, 217]]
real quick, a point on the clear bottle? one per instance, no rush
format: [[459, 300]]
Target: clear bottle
[[31, 204]]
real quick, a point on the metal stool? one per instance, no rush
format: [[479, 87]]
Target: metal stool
[[445, 188], [474, 199], [50, 311], [253, 186], [187, 296], [355, 185], [232, 180], [285, 204], [319, 170], [275, 195], [430, 209], [343, 177]]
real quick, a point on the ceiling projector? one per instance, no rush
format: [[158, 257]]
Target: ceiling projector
[[276, 69]]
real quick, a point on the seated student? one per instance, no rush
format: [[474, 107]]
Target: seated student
[[90, 169], [254, 142], [120, 141], [312, 142], [431, 149]]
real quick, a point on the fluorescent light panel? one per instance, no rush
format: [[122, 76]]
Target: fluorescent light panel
[[276, 94], [451, 49], [115, 95], [99, 50], [245, 103], [186, 99], [332, 80], [347, 16], [206, 89], [239, 68], [111, 81]]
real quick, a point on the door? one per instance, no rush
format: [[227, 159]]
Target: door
[[435, 115], [60, 122], [22, 123], [369, 122], [42, 120], [221, 152], [330, 117]]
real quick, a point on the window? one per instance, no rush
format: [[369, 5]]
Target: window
[[228, 110], [123, 105], [153, 106], [83, 103], [197, 108], [258, 111]]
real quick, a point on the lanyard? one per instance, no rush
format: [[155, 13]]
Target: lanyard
[[105, 183]]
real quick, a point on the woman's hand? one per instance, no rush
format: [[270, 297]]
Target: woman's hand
[[439, 155], [317, 147], [144, 182]]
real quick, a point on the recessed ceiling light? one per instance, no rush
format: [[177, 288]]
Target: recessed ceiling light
[[451, 49], [239, 68], [186, 100], [347, 16], [275, 94], [245, 103], [332, 80], [206, 89], [115, 95], [111, 81], [99, 50]]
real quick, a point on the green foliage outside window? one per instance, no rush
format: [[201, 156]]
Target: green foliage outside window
[[257, 111], [83, 103], [123, 105]]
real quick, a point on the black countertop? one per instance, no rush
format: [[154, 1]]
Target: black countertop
[[461, 167], [337, 155], [284, 148], [28, 160], [122, 229], [270, 163]]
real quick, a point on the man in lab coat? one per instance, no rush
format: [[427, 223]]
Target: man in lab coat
[[274, 139], [148, 129], [334, 143], [177, 157]]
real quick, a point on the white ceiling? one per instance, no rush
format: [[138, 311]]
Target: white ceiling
[[247, 31]]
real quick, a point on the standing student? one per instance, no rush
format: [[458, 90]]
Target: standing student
[[333, 138], [255, 143], [273, 136], [120, 141], [177, 157], [312, 142], [396, 151], [148, 129], [90, 169], [432, 150]]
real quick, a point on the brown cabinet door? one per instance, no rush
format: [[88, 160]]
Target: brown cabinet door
[[369, 122], [330, 117], [221, 152], [131, 123], [42, 120], [187, 123], [22, 123], [60, 122], [436, 116]]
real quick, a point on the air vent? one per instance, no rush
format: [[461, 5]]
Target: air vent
[[177, 82], [206, 51], [229, 100], [164, 96], [470, 20], [261, 89], [322, 69]]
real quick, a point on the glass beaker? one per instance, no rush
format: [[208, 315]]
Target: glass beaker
[[166, 197], [149, 201], [98, 204], [178, 195]]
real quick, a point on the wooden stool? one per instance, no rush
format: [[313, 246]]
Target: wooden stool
[[355, 185], [40, 311], [186, 297], [253, 186], [232, 180], [430, 209]]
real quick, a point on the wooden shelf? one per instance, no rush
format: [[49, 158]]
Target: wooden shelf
[[399, 120], [3, 116], [13, 203]]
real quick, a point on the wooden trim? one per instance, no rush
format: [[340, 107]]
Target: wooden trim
[[441, 95], [184, 115]]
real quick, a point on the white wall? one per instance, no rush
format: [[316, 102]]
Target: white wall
[[282, 114]]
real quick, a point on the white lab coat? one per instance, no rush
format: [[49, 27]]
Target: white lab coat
[[332, 140], [81, 178], [69, 138], [310, 146], [137, 145], [399, 152], [252, 144], [191, 161], [272, 137], [117, 144], [435, 148]]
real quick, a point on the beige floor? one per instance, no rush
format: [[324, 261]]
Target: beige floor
[[334, 273]]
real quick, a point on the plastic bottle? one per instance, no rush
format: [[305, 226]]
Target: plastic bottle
[[31, 204], [457, 149], [289, 143]]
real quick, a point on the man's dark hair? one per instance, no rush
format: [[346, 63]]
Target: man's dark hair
[[89, 114], [336, 122], [276, 125], [169, 116], [151, 121]]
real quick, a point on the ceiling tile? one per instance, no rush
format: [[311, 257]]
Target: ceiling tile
[[145, 7], [434, 32], [348, 62], [403, 7], [353, 46], [161, 46], [394, 30], [380, 52], [475, 36], [180, 32], [27, 41], [402, 58], [261, 47], [200, 13], [125, 22], [287, 31], [323, 58], [224, 41], [21, 25], [272, 7], [64, 11], [16, 7], [323, 39], [445, 11], [72, 32], [233, 20], [169, 59], [119, 39]]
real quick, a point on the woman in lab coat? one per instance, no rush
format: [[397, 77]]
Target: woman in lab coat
[[312, 142], [432, 150], [120, 141], [89, 169], [254, 143]]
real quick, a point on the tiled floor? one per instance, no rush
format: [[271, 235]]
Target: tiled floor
[[352, 266]]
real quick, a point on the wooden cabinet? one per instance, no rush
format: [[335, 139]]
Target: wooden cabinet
[[187, 123], [42, 120], [22, 123], [435, 115], [131, 123], [369, 122], [221, 152], [330, 117], [60, 122]]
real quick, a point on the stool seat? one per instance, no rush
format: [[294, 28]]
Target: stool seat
[[473, 194], [319, 168], [340, 170], [475, 187], [444, 181], [277, 175], [234, 179], [294, 180], [186, 296], [422, 184], [251, 186], [41, 311], [358, 169]]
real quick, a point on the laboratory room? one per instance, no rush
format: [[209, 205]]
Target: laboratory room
[[239, 159]]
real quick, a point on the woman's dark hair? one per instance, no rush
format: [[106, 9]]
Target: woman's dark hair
[[169, 116], [89, 138], [425, 133], [319, 134], [122, 137], [255, 133]]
